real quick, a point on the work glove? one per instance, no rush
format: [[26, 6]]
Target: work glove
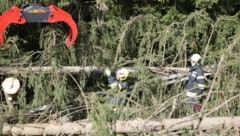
[[107, 72]]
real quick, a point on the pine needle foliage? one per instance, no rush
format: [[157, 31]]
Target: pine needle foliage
[[133, 34]]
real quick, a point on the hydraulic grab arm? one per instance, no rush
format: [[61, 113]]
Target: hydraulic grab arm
[[33, 13], [10, 16], [59, 15]]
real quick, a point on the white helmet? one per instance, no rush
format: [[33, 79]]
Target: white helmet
[[122, 73], [11, 85], [195, 57]]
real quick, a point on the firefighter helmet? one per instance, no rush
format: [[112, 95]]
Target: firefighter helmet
[[195, 57], [11, 85], [122, 74]]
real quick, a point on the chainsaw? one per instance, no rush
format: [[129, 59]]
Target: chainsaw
[[38, 13]]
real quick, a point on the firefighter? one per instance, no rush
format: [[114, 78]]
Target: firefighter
[[118, 85], [196, 83], [10, 87]]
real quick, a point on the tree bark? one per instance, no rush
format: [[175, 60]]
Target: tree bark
[[130, 126], [76, 69], [36, 69], [169, 74]]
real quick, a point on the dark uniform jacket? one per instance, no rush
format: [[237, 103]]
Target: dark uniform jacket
[[196, 82], [119, 85]]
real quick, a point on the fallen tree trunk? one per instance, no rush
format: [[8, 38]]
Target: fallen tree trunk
[[171, 75], [76, 69], [36, 69], [131, 126]]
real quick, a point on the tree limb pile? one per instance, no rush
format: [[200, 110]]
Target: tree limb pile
[[130, 126]]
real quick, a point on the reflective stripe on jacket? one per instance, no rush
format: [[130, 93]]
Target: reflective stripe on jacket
[[196, 77], [119, 85]]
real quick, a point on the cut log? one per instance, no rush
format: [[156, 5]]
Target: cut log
[[76, 69], [170, 75], [130, 126], [64, 69]]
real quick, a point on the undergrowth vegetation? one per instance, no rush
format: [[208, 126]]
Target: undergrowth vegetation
[[117, 34]]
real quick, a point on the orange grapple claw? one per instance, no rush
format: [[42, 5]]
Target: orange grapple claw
[[11, 16], [33, 13]]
